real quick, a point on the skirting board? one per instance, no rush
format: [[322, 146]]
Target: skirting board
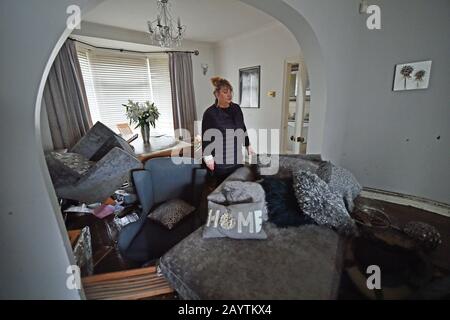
[[407, 200]]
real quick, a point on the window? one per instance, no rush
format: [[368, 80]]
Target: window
[[112, 79]]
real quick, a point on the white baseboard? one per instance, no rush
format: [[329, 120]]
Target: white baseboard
[[407, 200]]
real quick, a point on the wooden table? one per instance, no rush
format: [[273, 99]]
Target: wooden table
[[159, 146]]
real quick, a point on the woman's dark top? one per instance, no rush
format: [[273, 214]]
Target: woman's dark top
[[231, 147]]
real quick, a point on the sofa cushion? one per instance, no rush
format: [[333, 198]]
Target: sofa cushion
[[341, 181], [283, 166], [282, 204], [74, 161], [293, 263], [316, 200], [169, 213], [237, 192]]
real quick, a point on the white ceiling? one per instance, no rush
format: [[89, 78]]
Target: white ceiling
[[206, 20]]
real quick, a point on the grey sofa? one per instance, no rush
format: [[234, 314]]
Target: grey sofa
[[293, 263], [159, 181], [94, 168]]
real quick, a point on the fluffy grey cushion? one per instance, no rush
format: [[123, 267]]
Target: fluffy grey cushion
[[316, 200], [171, 212], [239, 221], [284, 165], [341, 181], [238, 192]]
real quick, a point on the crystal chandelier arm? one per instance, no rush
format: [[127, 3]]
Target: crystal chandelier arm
[[166, 32]]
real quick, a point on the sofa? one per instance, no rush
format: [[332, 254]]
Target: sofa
[[160, 180], [303, 262]]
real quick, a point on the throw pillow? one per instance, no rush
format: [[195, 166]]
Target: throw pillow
[[283, 166], [340, 181], [169, 213], [282, 203], [316, 200], [240, 221]]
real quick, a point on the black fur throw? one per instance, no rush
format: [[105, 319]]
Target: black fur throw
[[282, 204]]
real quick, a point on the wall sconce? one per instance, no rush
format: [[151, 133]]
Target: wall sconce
[[363, 6], [205, 68]]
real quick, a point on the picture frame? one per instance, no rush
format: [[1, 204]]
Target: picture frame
[[412, 76], [250, 87]]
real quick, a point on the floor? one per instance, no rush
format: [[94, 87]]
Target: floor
[[399, 216], [107, 258]]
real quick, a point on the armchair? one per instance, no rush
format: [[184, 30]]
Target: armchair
[[162, 180], [94, 168]]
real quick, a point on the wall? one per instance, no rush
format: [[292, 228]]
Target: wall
[[252, 49], [34, 247], [389, 140]]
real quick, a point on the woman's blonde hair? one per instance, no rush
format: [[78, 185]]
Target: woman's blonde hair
[[220, 83]]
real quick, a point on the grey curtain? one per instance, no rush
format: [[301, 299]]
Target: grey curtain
[[183, 96], [65, 99]]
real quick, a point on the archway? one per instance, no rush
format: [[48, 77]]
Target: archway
[[39, 185]]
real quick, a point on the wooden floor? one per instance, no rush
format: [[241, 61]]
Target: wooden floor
[[142, 283], [107, 258]]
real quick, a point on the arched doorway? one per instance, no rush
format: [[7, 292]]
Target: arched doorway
[[46, 224]]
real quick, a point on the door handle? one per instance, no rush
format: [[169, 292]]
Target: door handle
[[298, 139]]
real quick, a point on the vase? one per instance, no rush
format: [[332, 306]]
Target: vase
[[145, 132]]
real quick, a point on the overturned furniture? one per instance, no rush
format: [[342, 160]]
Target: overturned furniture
[[94, 168]]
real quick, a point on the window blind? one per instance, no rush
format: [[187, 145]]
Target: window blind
[[112, 79]]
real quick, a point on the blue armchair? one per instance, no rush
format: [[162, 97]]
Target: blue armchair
[[162, 180]]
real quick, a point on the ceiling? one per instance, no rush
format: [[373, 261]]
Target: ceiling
[[206, 20]]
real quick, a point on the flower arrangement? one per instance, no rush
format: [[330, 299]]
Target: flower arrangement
[[142, 114]]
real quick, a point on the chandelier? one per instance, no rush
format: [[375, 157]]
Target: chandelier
[[162, 30]]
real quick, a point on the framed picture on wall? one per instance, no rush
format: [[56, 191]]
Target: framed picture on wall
[[249, 87], [412, 76]]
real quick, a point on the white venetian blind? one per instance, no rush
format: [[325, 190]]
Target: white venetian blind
[[161, 90], [112, 79]]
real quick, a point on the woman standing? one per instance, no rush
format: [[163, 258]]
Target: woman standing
[[226, 117]]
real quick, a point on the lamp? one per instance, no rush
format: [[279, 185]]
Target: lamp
[[162, 30], [205, 68]]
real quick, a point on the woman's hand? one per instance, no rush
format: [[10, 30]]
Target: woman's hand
[[250, 151], [209, 161]]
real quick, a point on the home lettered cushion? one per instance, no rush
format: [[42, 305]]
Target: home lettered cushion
[[169, 213], [238, 221]]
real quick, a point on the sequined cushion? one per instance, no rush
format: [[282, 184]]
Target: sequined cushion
[[316, 200], [171, 212], [238, 221], [74, 161]]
